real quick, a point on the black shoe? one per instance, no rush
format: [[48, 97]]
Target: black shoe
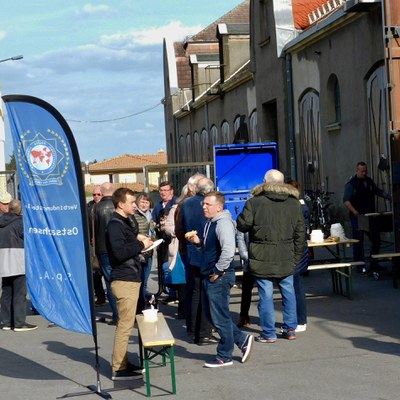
[[134, 368], [25, 328], [125, 375], [100, 319], [243, 321], [207, 340], [377, 268], [112, 322]]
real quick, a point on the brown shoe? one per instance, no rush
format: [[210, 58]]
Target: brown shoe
[[243, 321]]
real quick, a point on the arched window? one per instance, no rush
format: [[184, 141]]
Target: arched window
[[182, 148], [225, 133], [189, 149], [334, 108], [236, 125], [310, 140], [204, 145], [254, 137], [196, 147], [213, 140]]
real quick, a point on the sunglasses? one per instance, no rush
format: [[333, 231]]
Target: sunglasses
[[96, 194]]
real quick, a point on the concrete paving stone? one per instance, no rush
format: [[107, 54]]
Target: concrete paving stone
[[350, 351]]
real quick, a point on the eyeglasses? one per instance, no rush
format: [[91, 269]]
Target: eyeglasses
[[96, 194]]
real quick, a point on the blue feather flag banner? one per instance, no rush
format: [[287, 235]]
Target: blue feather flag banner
[[56, 239]]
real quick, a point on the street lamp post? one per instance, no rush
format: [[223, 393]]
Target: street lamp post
[[2, 130], [14, 58], [3, 181]]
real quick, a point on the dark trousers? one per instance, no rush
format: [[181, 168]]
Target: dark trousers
[[98, 286], [188, 294], [248, 282], [200, 325], [374, 237], [13, 301], [106, 270], [301, 304]]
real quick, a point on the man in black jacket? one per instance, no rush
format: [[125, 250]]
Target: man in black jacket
[[359, 198], [97, 274], [102, 214], [123, 246]]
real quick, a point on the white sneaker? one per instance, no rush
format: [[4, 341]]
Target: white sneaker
[[301, 328]]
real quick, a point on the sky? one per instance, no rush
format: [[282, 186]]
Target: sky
[[99, 64]]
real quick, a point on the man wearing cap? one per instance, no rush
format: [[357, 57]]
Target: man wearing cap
[[5, 199]]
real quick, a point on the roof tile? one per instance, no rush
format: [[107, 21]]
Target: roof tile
[[129, 162]]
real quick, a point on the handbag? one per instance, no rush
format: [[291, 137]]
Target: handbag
[[178, 275]]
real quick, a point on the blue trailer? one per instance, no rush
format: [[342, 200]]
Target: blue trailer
[[240, 167]]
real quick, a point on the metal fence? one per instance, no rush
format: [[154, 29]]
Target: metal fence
[[178, 174]]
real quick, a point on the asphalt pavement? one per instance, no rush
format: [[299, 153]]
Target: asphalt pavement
[[350, 350]]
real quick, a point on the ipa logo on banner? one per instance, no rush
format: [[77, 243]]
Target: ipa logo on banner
[[54, 212]]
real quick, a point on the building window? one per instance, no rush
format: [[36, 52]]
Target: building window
[[334, 107], [310, 141], [236, 124], [254, 138], [205, 141], [213, 140], [182, 148], [263, 23], [196, 147], [225, 132], [189, 149]]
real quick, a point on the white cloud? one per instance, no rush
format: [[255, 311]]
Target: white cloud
[[3, 34], [174, 31], [90, 9]]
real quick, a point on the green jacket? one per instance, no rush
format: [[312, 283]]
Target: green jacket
[[276, 229]]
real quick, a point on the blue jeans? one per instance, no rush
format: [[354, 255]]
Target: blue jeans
[[106, 270], [216, 305], [266, 305], [171, 292]]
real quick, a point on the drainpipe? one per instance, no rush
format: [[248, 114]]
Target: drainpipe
[[290, 105], [207, 127]]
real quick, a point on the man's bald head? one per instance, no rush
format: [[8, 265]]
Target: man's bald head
[[274, 176], [107, 189]]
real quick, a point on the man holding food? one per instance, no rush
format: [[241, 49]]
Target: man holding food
[[193, 220], [217, 259]]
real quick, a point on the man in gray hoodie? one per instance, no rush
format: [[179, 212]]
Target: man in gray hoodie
[[217, 253]]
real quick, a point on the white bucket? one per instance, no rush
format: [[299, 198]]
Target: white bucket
[[317, 236], [150, 315]]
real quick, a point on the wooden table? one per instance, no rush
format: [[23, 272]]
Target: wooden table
[[340, 267], [155, 339]]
